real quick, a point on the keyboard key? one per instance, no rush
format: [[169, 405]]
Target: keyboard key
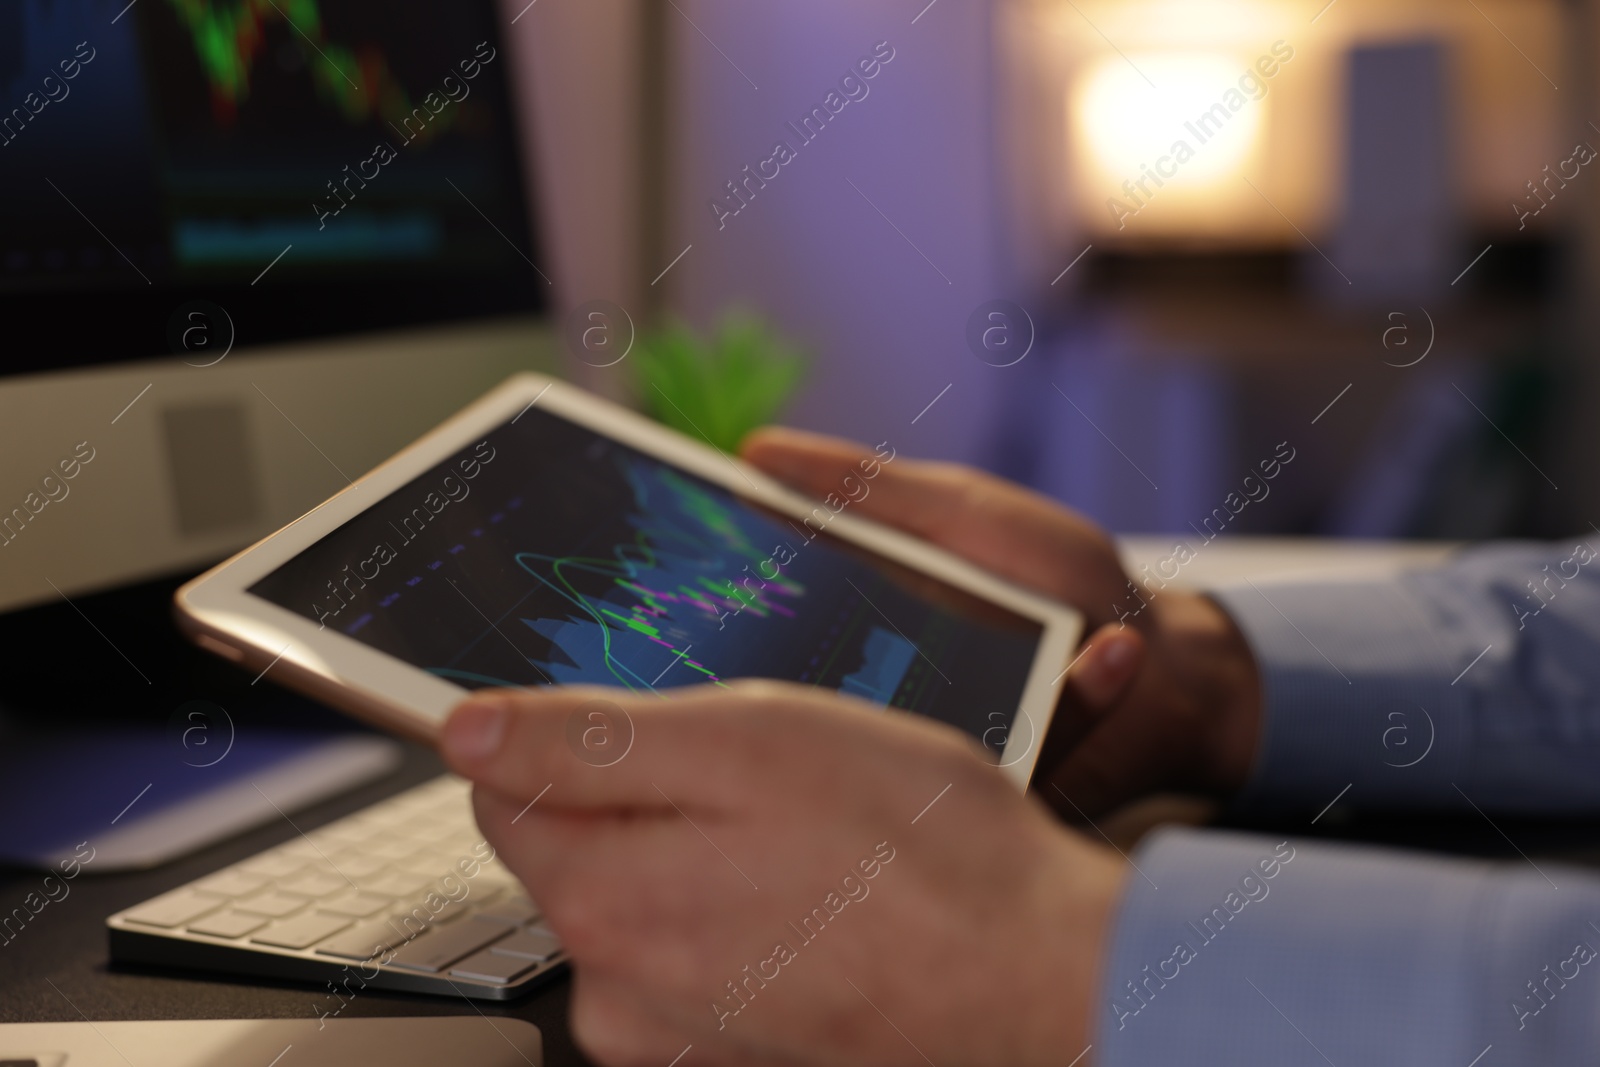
[[174, 909], [412, 910], [435, 828], [492, 967], [302, 931], [364, 826], [480, 895], [396, 884], [365, 941], [231, 883], [390, 848], [228, 924], [474, 904], [426, 865], [443, 945], [467, 845], [272, 904], [535, 943], [499, 880], [355, 905], [358, 866], [273, 865], [516, 911], [313, 884]]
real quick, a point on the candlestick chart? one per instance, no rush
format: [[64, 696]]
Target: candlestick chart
[[673, 584], [229, 39], [694, 595]]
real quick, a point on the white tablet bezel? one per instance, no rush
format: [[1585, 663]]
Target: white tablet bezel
[[217, 611]]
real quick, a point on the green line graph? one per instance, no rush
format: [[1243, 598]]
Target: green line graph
[[228, 37], [683, 533]]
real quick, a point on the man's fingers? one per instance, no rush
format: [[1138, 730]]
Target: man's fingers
[[1099, 677], [597, 748], [1108, 664], [1110, 767], [811, 462], [1082, 791], [585, 870], [613, 1022], [1001, 527], [900, 492], [702, 748]]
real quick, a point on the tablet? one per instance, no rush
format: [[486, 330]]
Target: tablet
[[545, 536]]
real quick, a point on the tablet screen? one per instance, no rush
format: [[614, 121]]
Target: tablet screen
[[550, 554]]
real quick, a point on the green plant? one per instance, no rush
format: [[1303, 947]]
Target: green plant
[[718, 389]]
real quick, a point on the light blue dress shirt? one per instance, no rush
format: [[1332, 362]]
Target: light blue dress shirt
[[1474, 684]]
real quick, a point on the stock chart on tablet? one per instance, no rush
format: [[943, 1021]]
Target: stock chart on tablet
[[548, 554]]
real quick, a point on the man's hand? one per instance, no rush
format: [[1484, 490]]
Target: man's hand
[[774, 874], [1165, 699]]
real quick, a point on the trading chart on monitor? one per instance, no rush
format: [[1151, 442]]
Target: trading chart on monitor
[[357, 132]]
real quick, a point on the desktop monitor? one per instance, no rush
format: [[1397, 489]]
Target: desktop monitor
[[248, 249]]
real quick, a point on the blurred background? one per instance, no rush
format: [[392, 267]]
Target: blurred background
[[1324, 268], [1367, 232]]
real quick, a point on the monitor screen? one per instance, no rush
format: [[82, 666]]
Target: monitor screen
[[548, 553], [312, 167]]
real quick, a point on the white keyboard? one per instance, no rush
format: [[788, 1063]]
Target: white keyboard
[[397, 896]]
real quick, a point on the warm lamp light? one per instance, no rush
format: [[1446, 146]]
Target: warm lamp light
[[1174, 130]]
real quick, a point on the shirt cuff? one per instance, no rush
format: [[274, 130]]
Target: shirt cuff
[[1231, 949], [1356, 694]]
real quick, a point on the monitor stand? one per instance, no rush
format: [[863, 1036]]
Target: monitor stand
[[118, 737]]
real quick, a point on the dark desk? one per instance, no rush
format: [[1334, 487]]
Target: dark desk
[[66, 944]]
